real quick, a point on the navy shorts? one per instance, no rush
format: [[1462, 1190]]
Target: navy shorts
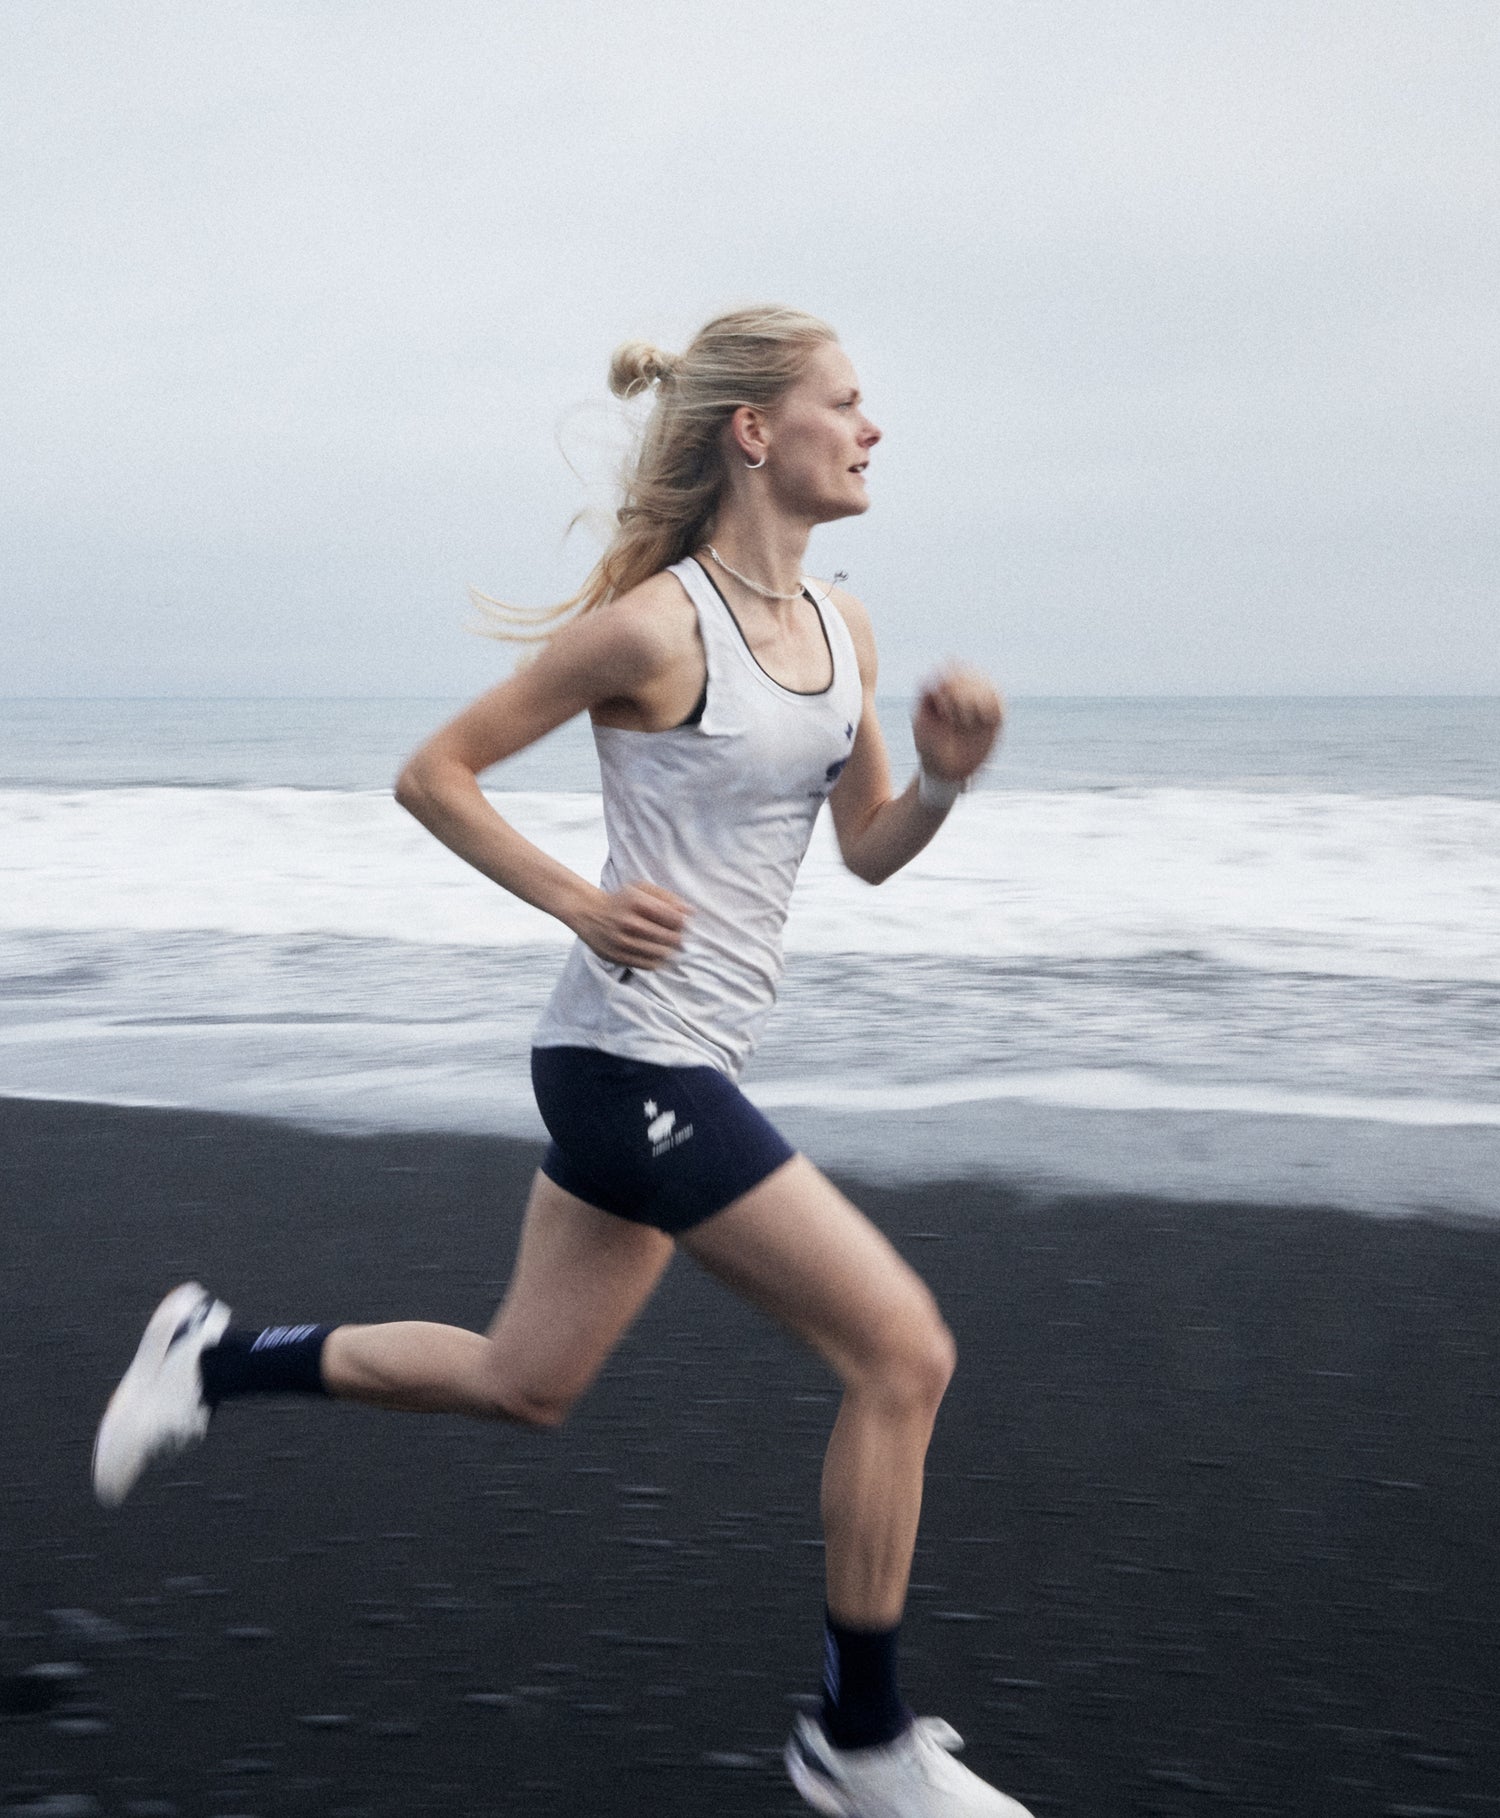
[[662, 1146]]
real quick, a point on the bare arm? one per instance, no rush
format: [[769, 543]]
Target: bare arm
[[957, 721], [621, 653]]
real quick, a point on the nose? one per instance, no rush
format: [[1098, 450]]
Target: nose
[[870, 434]]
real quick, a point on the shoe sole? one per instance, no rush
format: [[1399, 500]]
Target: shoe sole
[[817, 1791], [156, 1341], [825, 1795]]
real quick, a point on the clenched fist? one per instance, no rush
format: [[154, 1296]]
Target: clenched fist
[[958, 719]]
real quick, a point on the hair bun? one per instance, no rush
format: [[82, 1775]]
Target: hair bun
[[638, 365]]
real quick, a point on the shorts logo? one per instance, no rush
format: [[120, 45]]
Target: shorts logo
[[661, 1131]]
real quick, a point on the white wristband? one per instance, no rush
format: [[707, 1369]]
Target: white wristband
[[938, 791]]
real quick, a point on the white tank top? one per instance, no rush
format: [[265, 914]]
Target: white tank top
[[720, 812]]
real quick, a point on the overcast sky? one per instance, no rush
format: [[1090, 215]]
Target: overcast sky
[[1180, 317]]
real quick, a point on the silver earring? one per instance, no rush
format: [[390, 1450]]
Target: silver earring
[[752, 465]]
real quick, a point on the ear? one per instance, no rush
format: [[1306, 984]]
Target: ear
[[747, 431]]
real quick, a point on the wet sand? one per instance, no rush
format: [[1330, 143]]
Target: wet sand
[[1210, 1520]]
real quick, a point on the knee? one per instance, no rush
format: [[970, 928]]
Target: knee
[[542, 1414], [541, 1408], [939, 1360], [917, 1364]]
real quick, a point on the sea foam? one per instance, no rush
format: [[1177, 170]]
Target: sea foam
[[1401, 888]]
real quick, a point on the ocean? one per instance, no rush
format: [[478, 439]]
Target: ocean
[[1213, 948]]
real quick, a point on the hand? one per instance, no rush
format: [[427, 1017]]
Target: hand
[[639, 926], [957, 721]]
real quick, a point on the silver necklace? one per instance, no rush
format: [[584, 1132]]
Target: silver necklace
[[766, 593]]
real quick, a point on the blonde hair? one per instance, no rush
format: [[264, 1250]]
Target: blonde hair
[[672, 487]]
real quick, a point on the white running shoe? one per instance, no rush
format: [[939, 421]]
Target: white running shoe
[[159, 1405], [913, 1777]]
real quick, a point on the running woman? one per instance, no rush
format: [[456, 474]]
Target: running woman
[[730, 697]]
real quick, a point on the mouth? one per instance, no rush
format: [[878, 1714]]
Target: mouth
[[859, 468]]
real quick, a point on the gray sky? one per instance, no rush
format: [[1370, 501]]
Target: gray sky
[[1180, 319]]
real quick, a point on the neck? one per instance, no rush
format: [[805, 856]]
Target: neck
[[761, 544]]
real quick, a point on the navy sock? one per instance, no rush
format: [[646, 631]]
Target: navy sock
[[280, 1360], [862, 1703]]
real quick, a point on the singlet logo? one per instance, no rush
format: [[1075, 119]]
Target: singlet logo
[[834, 771], [830, 776], [661, 1128]]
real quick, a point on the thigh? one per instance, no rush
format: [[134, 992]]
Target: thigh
[[798, 1249], [581, 1276]]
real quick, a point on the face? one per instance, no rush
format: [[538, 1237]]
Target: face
[[818, 440]]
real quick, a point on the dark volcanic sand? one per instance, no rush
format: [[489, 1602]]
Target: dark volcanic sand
[[1210, 1523]]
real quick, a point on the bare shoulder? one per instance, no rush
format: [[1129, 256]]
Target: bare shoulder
[[657, 616], [853, 612], [636, 636]]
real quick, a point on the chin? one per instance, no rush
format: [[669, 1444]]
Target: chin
[[843, 507]]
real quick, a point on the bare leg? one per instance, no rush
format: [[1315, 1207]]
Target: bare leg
[[796, 1247], [580, 1279]]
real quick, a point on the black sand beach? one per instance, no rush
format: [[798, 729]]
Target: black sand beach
[[1210, 1525]]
